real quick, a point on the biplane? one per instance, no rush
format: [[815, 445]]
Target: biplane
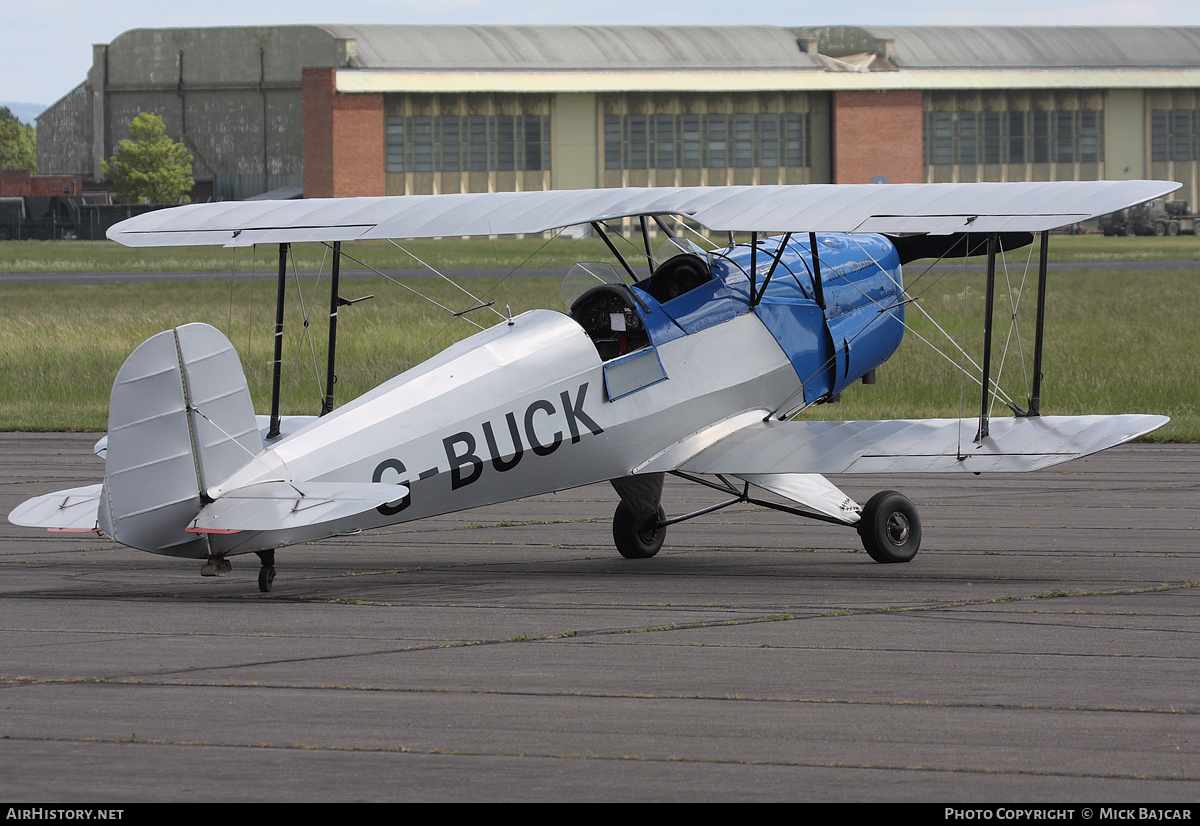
[[700, 365]]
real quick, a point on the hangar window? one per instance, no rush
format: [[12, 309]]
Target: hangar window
[[708, 138], [1014, 136], [1175, 135], [478, 143], [691, 141]]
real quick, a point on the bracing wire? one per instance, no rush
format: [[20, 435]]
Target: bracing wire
[[305, 313], [481, 304], [1014, 305], [996, 390], [505, 284], [400, 283], [509, 285]]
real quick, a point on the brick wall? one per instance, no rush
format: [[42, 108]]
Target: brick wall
[[20, 182], [344, 139], [877, 134]]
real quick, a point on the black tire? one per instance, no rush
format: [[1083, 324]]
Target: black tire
[[1172, 229], [1160, 229], [635, 539], [266, 578], [890, 527]]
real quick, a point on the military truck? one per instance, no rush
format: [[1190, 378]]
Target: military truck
[[1156, 217]]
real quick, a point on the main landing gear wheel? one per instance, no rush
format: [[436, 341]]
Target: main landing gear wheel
[[890, 527], [636, 539], [266, 574]]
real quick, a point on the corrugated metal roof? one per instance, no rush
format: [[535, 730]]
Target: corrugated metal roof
[[1013, 47], [567, 48]]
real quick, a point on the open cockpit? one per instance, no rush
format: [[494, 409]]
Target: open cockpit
[[615, 315], [607, 314]]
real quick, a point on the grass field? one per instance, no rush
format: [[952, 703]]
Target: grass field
[[1117, 341], [108, 256]]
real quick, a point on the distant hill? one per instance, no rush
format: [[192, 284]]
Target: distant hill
[[26, 112]]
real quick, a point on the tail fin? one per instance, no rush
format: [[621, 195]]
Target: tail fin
[[179, 421]]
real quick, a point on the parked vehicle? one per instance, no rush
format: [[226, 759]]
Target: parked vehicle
[[1156, 217]]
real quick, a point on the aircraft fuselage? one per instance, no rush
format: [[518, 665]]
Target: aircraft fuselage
[[530, 407]]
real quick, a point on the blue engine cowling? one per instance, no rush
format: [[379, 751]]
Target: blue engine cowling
[[863, 320]]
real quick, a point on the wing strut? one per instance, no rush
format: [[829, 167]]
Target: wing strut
[[277, 364], [1035, 399], [667, 231], [611, 248], [992, 243], [755, 298], [599, 228], [816, 259], [335, 301], [753, 265], [646, 242]]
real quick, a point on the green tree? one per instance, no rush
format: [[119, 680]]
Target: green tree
[[18, 142], [149, 166]]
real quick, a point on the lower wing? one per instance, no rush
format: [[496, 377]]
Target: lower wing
[[913, 446]]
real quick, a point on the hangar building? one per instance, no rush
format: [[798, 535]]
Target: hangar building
[[375, 110]]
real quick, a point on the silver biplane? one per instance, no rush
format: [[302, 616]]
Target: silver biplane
[[701, 369]]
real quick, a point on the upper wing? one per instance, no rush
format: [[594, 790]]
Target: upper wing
[[909, 446], [933, 208]]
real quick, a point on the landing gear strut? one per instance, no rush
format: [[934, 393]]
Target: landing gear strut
[[890, 527], [266, 574]]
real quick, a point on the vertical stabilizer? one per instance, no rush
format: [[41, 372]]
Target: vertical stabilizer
[[179, 421], [224, 431]]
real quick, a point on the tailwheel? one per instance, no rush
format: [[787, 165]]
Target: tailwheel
[[266, 574], [215, 566], [637, 539], [890, 527]]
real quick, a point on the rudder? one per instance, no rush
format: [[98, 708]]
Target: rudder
[[180, 420]]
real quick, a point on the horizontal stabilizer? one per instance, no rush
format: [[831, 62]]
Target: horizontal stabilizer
[[917, 446], [272, 506], [65, 510]]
